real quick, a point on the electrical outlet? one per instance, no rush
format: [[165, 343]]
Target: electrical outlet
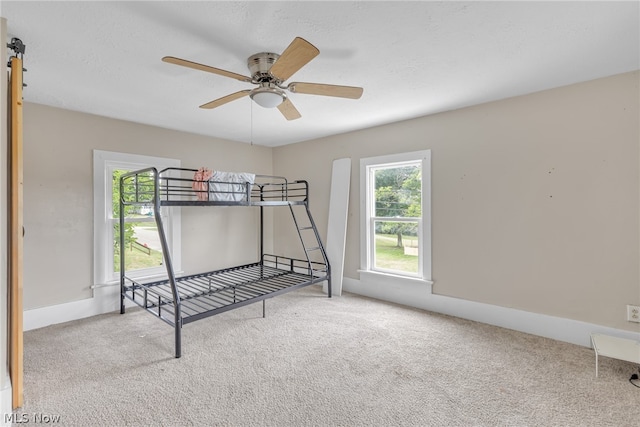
[[633, 313]]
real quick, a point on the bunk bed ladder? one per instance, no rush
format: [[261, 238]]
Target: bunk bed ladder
[[311, 243]]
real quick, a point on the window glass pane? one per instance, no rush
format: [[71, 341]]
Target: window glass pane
[[142, 246], [141, 239], [396, 246], [398, 191]]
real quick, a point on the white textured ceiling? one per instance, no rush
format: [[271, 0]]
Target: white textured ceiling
[[411, 58]]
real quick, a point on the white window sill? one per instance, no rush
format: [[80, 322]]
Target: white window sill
[[379, 277]]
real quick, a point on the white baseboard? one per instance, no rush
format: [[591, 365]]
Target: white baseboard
[[105, 300], [558, 328]]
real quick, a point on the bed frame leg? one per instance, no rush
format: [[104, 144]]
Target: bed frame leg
[[264, 302], [121, 303], [178, 341]]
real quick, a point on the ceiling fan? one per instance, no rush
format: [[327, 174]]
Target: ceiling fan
[[269, 71]]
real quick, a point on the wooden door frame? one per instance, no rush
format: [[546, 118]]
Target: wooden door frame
[[16, 359]]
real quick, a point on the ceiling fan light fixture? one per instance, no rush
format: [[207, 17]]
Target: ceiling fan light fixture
[[267, 97]]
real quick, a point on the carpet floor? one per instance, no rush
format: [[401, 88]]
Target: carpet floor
[[314, 361]]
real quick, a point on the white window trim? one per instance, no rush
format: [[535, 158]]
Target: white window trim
[[365, 242], [104, 162]]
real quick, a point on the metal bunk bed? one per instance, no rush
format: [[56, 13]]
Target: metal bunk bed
[[181, 300]]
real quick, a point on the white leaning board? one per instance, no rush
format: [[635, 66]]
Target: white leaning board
[[337, 225]]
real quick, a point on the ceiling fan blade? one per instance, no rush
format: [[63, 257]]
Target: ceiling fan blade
[[201, 67], [350, 92], [288, 110], [294, 57], [221, 101]]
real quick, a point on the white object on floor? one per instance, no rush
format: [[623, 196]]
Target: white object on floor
[[618, 348]]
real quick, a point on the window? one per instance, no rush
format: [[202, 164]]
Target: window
[[144, 255], [395, 231]]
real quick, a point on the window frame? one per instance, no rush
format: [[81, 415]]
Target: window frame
[[367, 218], [104, 164]]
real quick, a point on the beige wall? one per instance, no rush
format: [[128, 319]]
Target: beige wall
[[535, 199], [58, 198]]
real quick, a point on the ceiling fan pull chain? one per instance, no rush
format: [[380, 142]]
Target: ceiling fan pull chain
[[251, 136]]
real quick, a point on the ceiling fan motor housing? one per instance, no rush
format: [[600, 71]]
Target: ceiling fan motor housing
[[268, 95], [260, 64]]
